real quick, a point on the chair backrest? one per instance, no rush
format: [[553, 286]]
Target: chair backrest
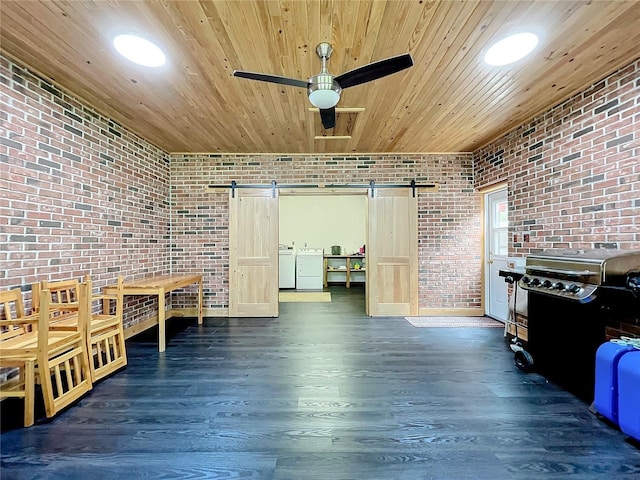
[[60, 292], [11, 308], [106, 305], [47, 313]]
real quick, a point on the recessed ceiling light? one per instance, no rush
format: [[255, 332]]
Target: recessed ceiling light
[[511, 49], [139, 50]]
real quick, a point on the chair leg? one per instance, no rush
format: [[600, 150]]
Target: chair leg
[[47, 387], [121, 346], [29, 392]]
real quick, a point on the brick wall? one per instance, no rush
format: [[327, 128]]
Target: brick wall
[[83, 195], [79, 194], [573, 172], [449, 220]]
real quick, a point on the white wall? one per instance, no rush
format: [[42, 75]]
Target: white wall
[[323, 221]]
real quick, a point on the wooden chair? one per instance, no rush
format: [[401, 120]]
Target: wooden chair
[[105, 334], [60, 356], [64, 297], [13, 325]]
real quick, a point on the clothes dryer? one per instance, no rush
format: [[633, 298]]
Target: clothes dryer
[[309, 269]]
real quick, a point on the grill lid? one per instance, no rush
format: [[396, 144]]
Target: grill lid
[[579, 274], [595, 266]]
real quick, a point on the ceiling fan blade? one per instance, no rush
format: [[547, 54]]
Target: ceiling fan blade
[[328, 117], [374, 70], [263, 77]]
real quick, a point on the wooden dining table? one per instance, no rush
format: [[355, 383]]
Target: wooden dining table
[[159, 285]]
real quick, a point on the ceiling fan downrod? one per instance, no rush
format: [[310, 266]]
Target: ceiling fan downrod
[[324, 91], [324, 51]]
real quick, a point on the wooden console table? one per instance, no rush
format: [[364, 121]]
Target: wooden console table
[[160, 285]]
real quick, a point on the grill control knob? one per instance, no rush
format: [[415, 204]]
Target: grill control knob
[[573, 288], [534, 282], [558, 285], [546, 284], [526, 280]]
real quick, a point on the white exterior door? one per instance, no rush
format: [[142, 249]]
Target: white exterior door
[[496, 253]]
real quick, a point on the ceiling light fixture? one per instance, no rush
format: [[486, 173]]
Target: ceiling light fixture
[[511, 49], [324, 92], [139, 50]]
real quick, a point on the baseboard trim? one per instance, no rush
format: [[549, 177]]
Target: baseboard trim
[[193, 312], [523, 332], [451, 312], [140, 327]]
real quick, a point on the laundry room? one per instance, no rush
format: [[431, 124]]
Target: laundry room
[[322, 241]]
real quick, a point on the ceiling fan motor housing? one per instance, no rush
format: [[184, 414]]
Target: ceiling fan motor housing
[[324, 91]]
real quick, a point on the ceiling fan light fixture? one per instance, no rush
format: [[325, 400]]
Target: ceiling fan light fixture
[[139, 50], [511, 49], [324, 98], [324, 91]]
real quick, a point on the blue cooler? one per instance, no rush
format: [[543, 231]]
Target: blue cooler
[[629, 394], [606, 390]]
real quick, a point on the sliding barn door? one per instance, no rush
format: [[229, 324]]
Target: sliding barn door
[[392, 253], [253, 252]]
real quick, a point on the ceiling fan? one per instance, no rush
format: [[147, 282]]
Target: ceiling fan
[[324, 88]]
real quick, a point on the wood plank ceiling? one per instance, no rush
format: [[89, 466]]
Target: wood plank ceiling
[[448, 101]]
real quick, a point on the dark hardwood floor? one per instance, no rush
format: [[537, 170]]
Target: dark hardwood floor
[[322, 392]]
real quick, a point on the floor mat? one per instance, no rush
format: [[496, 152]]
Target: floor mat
[[305, 296], [454, 322]]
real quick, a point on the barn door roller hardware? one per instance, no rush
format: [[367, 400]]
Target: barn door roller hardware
[[372, 186], [273, 185], [234, 185], [412, 185]]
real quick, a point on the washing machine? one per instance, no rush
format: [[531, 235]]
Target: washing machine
[[309, 269], [286, 268]]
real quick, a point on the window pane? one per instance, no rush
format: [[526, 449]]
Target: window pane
[[500, 217], [500, 241]]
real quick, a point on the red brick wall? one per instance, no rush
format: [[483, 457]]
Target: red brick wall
[[573, 172], [79, 194], [449, 220]]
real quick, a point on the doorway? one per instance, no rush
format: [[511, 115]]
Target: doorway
[[391, 274], [334, 224], [496, 234]]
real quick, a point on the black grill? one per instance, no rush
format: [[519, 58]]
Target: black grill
[[573, 294]]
